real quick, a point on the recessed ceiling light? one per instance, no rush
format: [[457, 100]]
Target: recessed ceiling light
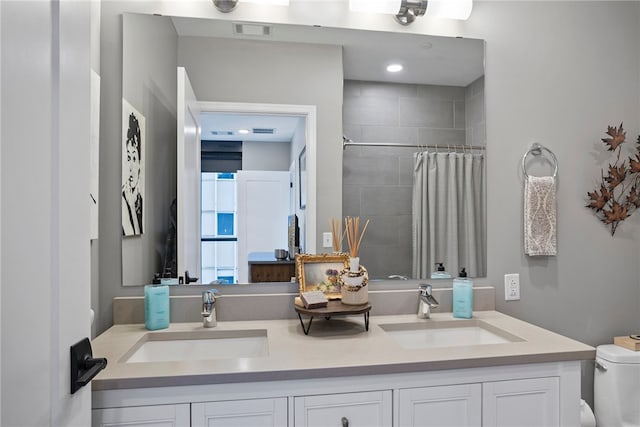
[[243, 131], [394, 68]]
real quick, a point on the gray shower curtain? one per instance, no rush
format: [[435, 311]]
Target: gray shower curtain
[[449, 213]]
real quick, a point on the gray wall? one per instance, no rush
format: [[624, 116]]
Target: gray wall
[[378, 181], [273, 156], [474, 107]]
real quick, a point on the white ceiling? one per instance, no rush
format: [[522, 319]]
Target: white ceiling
[[435, 60], [283, 126]]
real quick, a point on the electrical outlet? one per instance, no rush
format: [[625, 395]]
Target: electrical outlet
[[511, 287], [327, 240]]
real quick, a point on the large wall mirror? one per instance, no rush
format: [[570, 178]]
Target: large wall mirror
[[434, 106]]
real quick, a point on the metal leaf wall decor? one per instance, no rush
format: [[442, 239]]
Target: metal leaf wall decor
[[619, 193]]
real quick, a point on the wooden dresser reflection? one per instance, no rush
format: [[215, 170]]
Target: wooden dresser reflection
[[264, 267]]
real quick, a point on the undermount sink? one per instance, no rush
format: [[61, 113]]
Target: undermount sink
[[198, 345], [454, 333]]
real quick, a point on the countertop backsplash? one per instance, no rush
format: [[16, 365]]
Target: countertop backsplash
[[187, 308]]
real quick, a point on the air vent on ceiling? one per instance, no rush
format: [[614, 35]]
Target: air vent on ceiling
[[222, 132], [263, 131], [251, 29]]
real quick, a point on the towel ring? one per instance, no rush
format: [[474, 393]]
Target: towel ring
[[536, 150]]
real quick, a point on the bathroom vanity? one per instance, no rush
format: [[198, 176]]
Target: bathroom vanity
[[492, 370]]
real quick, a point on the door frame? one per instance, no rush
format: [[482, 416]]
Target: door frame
[[306, 111]]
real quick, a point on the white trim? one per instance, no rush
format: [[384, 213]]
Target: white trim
[[309, 112]]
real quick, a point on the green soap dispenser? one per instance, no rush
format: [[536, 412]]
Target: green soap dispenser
[[462, 296], [440, 272], [156, 307]]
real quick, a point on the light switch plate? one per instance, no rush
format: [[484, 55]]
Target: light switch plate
[[511, 287], [327, 241]]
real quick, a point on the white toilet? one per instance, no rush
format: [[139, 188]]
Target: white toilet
[[616, 387]]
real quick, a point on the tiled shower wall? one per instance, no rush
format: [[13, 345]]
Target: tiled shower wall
[[377, 181]]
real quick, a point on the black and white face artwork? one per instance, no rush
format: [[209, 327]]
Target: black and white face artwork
[[132, 171]]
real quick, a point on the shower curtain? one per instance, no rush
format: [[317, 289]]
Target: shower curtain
[[449, 213]]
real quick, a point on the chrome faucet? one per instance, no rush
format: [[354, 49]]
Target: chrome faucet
[[209, 309], [427, 301]]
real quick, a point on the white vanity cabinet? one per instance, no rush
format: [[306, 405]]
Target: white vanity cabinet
[[142, 416], [240, 413], [541, 394], [371, 409]]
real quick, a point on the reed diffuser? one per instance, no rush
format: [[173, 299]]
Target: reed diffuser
[[337, 236], [353, 280], [354, 238]]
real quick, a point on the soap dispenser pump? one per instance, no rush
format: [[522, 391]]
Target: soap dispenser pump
[[462, 296], [440, 272]]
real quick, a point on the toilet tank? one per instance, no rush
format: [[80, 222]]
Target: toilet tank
[[616, 387]]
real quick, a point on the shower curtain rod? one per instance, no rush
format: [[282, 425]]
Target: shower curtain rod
[[347, 142]]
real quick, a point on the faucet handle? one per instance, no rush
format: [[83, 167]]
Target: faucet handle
[[425, 289], [209, 296]]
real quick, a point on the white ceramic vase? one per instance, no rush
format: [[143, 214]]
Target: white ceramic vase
[[353, 286], [354, 264]]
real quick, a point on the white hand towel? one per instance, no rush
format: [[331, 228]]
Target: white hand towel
[[540, 216]]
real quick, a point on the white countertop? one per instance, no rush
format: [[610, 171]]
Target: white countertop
[[335, 347]]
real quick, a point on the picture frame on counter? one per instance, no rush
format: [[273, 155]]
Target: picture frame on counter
[[321, 272]]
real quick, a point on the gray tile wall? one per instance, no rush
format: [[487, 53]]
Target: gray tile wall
[[377, 181], [474, 106]]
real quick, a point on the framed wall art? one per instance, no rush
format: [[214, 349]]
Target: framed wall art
[[321, 272], [133, 170]]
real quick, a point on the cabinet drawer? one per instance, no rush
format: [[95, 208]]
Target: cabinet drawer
[[369, 409], [240, 413], [271, 272], [147, 416], [454, 405], [526, 402]]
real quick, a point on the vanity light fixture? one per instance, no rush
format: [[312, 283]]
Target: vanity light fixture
[[394, 68], [225, 6], [406, 11], [228, 5]]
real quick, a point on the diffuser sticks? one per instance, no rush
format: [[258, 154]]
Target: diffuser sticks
[[336, 234], [354, 236]]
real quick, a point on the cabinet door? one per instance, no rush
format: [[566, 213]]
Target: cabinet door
[[456, 405], [370, 409], [237, 413], [519, 403], [147, 416]]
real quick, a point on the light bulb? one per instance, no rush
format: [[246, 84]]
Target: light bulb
[[449, 9], [375, 6]]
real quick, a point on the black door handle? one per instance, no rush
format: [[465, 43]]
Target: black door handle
[[83, 365]]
